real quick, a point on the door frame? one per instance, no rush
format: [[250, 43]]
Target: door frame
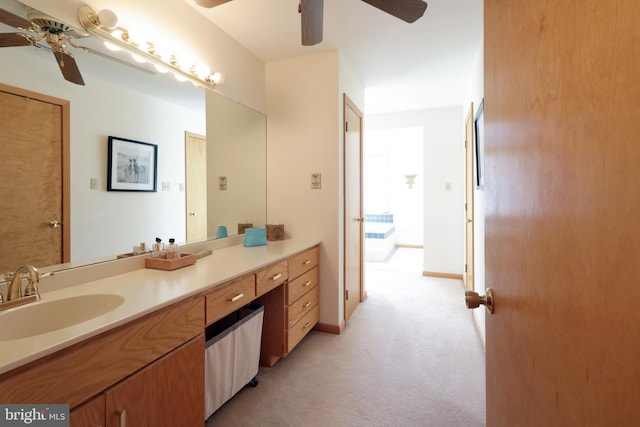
[[469, 202], [349, 104]]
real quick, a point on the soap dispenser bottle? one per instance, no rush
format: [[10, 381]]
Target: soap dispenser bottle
[[157, 248], [172, 249]]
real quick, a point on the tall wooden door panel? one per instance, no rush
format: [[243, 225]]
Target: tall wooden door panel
[[196, 183], [32, 176], [353, 217], [562, 192]]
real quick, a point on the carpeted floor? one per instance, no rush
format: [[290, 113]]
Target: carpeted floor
[[410, 356]]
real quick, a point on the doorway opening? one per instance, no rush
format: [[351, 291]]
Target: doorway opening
[[393, 174]]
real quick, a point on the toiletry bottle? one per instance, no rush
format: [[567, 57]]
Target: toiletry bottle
[[157, 248], [172, 249]]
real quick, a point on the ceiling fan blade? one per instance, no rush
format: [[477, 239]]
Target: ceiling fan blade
[[211, 3], [14, 20], [311, 12], [407, 10], [68, 66], [15, 39]]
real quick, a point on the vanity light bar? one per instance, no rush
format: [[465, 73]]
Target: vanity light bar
[[103, 25]]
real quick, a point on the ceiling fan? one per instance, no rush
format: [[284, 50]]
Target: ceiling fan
[[311, 12], [38, 27]]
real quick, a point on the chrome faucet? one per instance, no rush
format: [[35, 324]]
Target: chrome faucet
[[15, 295]]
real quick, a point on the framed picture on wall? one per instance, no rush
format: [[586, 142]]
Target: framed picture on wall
[[479, 146], [132, 165]]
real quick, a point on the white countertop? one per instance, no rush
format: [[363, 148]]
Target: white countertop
[[145, 290]]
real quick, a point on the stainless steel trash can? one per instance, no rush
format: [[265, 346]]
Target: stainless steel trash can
[[232, 355]]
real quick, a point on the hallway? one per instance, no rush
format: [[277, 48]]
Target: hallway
[[410, 356]]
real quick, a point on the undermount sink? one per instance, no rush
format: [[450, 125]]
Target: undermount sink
[[47, 316]]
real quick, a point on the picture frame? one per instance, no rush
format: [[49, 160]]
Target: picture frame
[[132, 165], [479, 145]]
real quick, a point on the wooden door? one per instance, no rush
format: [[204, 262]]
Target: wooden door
[[353, 217], [34, 137], [562, 108], [196, 186], [468, 198], [169, 392]]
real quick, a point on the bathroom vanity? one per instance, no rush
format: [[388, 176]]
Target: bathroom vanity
[[142, 362]]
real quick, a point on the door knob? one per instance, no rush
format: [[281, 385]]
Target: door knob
[[55, 224], [192, 213], [473, 300]]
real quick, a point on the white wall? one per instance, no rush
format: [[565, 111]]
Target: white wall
[[304, 134], [442, 181], [112, 222]]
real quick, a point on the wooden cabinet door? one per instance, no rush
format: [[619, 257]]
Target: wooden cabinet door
[[89, 414], [169, 392]]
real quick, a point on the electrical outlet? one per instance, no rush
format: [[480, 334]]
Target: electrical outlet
[[222, 183], [181, 186], [316, 181], [166, 186]]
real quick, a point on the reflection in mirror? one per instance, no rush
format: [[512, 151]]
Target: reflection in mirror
[[121, 101], [236, 165]]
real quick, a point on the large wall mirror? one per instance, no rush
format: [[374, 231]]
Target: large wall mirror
[[124, 101]]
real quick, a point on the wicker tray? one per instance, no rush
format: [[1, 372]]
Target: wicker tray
[[170, 264]]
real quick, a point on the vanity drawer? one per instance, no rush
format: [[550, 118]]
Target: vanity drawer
[[305, 304], [302, 328], [301, 285], [229, 297], [271, 277], [304, 261]]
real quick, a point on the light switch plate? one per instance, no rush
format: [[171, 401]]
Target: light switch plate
[[93, 183], [316, 181]]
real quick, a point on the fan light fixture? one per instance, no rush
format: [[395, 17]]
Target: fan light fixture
[[104, 26]]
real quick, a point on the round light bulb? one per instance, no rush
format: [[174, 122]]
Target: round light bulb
[[202, 70], [217, 78], [180, 77], [108, 19]]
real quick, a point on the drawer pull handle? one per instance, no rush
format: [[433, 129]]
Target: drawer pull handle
[[123, 417], [307, 284], [237, 297], [307, 262], [308, 303], [277, 276], [307, 326]]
